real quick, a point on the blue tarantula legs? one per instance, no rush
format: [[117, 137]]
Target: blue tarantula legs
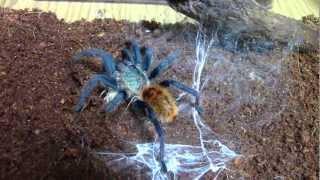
[[108, 63], [141, 56], [136, 52], [185, 88], [94, 81], [164, 64], [147, 58], [127, 55], [118, 99], [157, 125], [135, 58]]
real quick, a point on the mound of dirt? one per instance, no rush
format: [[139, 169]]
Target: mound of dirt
[[42, 138]]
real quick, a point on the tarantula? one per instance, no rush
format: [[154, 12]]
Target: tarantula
[[129, 80]]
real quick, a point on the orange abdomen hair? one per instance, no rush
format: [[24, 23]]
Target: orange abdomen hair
[[162, 102]]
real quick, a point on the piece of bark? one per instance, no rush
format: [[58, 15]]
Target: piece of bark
[[245, 25]]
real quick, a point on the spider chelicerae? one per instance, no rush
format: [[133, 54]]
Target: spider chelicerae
[[130, 80]]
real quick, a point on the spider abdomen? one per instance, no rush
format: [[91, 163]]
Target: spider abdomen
[[162, 102]]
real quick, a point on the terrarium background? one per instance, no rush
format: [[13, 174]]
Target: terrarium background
[[42, 138], [136, 10]]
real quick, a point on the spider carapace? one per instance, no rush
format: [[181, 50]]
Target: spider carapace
[[130, 80]]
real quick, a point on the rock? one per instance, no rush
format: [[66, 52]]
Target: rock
[[37, 132], [62, 101]]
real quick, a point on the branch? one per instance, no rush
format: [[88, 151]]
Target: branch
[[244, 25]]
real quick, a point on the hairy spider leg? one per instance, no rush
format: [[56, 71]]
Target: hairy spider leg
[[138, 56], [126, 54], [132, 52], [94, 81], [164, 64], [108, 63], [157, 125], [119, 98], [136, 52], [185, 88], [147, 58]]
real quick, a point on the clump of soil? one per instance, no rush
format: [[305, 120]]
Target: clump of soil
[[42, 137]]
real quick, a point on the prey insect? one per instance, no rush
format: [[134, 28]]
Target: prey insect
[[131, 81]]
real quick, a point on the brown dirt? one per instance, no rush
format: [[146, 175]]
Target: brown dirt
[[42, 138]]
